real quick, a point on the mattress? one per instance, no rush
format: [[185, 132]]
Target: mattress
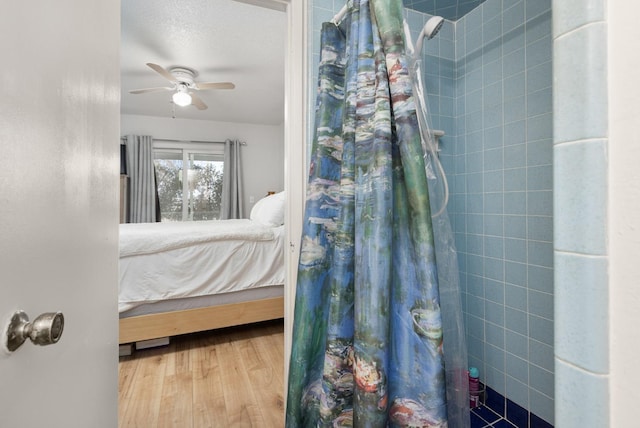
[[165, 262], [251, 294]]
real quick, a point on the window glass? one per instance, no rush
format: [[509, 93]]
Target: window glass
[[189, 184], [205, 187]]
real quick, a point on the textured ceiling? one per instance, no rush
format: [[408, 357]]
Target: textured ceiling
[[223, 40], [448, 9]]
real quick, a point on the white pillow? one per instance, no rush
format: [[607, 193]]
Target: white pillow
[[269, 210]]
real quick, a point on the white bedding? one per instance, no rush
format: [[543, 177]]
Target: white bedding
[[163, 261], [147, 238]]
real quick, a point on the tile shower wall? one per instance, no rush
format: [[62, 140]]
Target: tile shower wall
[[488, 79], [451, 9], [502, 196]]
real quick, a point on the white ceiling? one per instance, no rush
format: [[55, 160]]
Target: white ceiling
[[223, 40]]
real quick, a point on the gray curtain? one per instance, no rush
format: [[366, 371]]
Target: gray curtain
[[142, 180], [232, 195]]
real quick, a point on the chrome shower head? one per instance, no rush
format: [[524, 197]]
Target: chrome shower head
[[430, 29]]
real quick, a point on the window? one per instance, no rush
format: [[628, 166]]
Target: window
[[189, 179]]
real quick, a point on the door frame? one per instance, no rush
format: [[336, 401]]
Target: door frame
[[295, 122]]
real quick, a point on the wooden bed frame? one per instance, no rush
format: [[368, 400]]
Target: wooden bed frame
[[153, 326]]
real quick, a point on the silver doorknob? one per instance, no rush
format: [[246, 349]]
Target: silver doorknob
[[44, 330]]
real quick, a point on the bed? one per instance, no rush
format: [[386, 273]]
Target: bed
[[185, 277]]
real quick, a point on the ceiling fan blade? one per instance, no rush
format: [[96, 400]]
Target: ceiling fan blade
[[164, 73], [144, 91], [196, 101], [214, 85]]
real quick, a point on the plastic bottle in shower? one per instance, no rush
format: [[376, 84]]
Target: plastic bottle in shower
[[474, 387]]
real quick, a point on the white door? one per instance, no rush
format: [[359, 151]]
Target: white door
[[59, 126]]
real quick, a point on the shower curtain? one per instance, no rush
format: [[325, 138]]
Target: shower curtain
[[367, 345]]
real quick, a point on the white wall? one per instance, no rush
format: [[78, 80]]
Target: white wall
[[263, 156], [624, 209]]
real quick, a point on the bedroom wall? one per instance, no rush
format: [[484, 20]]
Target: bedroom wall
[[263, 156]]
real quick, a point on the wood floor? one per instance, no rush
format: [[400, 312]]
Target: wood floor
[[231, 377]]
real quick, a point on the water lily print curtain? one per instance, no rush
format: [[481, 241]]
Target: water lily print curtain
[[367, 335]]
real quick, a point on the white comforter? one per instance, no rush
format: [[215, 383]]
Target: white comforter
[[165, 261], [147, 238]]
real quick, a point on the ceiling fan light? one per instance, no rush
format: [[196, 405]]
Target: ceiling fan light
[[182, 99]]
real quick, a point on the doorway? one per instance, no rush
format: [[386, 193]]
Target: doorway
[[293, 130]]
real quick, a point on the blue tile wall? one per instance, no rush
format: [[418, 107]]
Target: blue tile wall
[[449, 9], [488, 78], [505, 175]]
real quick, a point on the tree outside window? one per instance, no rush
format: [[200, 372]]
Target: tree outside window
[[193, 193]]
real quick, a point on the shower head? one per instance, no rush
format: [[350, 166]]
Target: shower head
[[429, 30], [432, 26]]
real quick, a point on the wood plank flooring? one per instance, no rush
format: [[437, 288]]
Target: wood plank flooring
[[231, 377]]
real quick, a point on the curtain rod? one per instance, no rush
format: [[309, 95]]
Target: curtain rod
[[171, 140], [242, 143]]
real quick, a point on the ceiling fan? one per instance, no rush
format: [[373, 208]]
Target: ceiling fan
[[184, 85]]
